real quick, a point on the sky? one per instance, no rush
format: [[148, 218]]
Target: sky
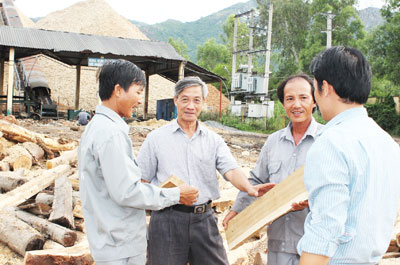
[[150, 11]]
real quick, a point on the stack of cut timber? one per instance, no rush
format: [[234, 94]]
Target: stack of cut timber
[[42, 211]]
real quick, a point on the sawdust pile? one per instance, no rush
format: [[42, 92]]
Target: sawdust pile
[[212, 100], [91, 17]]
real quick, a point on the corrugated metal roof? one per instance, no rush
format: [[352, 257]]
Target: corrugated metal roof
[[58, 41]]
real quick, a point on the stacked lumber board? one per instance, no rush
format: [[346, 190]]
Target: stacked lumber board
[[40, 208]]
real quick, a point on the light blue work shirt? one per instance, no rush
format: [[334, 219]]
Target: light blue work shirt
[[280, 157], [169, 151], [113, 196], [352, 176]]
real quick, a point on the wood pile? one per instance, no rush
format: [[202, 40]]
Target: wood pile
[[40, 208]]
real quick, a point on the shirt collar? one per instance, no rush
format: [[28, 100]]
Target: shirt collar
[[345, 115], [175, 127], [311, 130], [112, 115]]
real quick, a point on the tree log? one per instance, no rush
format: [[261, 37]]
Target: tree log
[[32, 187], [35, 150], [37, 208], [62, 204], [66, 157], [9, 180], [18, 157], [50, 244], [19, 236], [62, 235], [78, 254], [5, 144], [4, 166], [20, 134], [48, 199]]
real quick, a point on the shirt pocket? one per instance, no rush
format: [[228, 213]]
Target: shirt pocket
[[274, 171]]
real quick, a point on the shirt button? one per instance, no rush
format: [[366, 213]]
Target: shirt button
[[283, 243], [287, 218], [294, 154]]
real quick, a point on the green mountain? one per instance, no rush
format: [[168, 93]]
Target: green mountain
[[371, 17], [194, 33]]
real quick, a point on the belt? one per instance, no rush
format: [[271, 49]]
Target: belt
[[199, 209]]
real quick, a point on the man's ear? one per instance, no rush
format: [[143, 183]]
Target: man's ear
[[175, 101], [117, 90], [326, 88]]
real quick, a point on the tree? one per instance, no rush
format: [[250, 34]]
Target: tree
[[211, 53], [383, 44], [180, 47]]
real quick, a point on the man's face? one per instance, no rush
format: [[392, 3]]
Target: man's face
[[298, 101], [189, 103], [129, 100]]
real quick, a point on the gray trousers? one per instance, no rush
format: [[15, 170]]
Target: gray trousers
[[136, 260], [280, 258], [178, 238]]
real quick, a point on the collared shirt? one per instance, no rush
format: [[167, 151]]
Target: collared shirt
[[113, 196], [352, 177], [278, 158], [169, 151]]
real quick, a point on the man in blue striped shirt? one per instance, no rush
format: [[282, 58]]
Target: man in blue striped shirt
[[352, 170]]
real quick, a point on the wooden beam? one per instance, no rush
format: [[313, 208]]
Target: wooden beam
[[171, 182], [2, 92], [181, 71], [78, 86], [32, 187], [277, 202], [146, 97], [10, 90]]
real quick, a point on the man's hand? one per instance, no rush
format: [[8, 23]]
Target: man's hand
[[188, 194], [227, 218], [299, 206], [260, 189]]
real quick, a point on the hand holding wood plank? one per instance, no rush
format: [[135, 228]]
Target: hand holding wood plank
[[188, 194]]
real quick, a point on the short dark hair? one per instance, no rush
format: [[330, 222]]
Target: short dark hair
[[347, 70], [281, 87], [120, 72]]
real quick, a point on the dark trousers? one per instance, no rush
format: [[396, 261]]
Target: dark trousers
[[178, 238]]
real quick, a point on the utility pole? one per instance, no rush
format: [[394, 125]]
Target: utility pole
[[234, 55], [268, 53], [329, 17], [250, 54]]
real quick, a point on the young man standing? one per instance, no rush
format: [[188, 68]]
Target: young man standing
[[283, 153], [352, 170], [113, 197]]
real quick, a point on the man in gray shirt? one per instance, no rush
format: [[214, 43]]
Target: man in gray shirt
[[113, 197], [186, 149], [283, 153]]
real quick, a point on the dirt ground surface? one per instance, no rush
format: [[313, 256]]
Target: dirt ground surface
[[244, 146]]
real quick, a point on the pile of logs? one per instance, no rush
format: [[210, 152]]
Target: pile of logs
[[40, 208]]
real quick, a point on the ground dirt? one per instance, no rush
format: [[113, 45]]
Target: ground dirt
[[244, 146]]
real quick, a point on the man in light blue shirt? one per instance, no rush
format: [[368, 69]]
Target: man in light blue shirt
[[352, 170], [113, 197]]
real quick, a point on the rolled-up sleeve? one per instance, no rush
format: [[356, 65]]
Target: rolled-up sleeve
[[224, 158], [122, 177], [327, 182]]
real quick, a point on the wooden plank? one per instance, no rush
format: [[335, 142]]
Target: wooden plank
[[277, 202], [32, 187], [172, 182]]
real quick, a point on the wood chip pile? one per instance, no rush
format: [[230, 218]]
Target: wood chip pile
[[40, 209]]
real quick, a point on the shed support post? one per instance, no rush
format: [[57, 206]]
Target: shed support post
[[146, 97], [10, 81], [78, 86]]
